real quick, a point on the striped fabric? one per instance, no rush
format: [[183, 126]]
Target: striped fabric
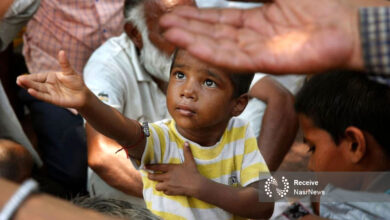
[[235, 160], [76, 26], [375, 37]]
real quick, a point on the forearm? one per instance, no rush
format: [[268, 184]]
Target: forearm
[[114, 168], [121, 176], [279, 124], [243, 202], [109, 122], [278, 130]]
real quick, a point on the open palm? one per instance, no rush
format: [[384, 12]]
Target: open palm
[[286, 36], [65, 88]]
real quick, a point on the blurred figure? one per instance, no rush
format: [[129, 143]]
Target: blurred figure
[[78, 27], [113, 207], [17, 155]]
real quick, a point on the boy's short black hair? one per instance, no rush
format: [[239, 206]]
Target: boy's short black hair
[[241, 81], [336, 100]]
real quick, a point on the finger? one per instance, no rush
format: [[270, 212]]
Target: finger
[[161, 186], [220, 52], [39, 95], [225, 16], [39, 77], [159, 167], [64, 63], [169, 193], [34, 81], [188, 157], [214, 30], [160, 177]]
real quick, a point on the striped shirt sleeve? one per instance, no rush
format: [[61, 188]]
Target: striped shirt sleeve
[[253, 162]]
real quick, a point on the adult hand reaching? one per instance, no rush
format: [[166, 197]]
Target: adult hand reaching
[[286, 36], [66, 88]]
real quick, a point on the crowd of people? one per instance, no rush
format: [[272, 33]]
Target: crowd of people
[[171, 107]]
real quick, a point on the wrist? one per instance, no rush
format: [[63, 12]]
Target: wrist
[[86, 100], [198, 183]]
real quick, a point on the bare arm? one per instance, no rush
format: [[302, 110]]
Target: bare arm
[[280, 123], [243, 202], [67, 89], [114, 168]]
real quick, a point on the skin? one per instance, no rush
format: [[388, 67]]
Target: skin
[[282, 37], [357, 152], [4, 6], [14, 154], [196, 94], [280, 122], [67, 89], [115, 168]]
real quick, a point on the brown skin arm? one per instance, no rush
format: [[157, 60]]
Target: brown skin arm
[[280, 122], [67, 89], [114, 168], [243, 202]]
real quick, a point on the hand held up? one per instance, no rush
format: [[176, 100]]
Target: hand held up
[[65, 88]]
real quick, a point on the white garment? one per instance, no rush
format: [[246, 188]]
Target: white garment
[[11, 129], [255, 109], [115, 75], [15, 19]]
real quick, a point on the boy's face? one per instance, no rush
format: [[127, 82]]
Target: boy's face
[[325, 154], [199, 96]]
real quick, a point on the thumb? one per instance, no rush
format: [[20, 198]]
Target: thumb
[[188, 157], [64, 63]]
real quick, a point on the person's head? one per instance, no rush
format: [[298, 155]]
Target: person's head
[[114, 207], [16, 162], [143, 29], [345, 118], [201, 96]]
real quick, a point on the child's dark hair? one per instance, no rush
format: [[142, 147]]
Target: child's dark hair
[[336, 100], [241, 81]]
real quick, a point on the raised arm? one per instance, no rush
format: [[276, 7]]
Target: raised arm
[[114, 168], [67, 89], [280, 123]]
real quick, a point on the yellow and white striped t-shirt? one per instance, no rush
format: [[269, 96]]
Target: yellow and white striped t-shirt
[[235, 160]]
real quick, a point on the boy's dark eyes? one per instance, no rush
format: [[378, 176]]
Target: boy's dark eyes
[[179, 75], [210, 83]]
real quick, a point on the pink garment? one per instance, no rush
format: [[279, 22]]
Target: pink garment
[[76, 26]]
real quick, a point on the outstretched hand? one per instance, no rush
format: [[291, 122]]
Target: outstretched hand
[[286, 36], [66, 88], [177, 179]]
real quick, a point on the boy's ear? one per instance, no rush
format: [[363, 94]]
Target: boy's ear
[[133, 33], [240, 104], [357, 144]]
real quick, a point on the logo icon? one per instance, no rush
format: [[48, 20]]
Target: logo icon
[[272, 181]]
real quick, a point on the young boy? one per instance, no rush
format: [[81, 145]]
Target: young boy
[[345, 118], [220, 177]]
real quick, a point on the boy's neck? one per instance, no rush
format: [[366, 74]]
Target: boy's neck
[[208, 136]]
